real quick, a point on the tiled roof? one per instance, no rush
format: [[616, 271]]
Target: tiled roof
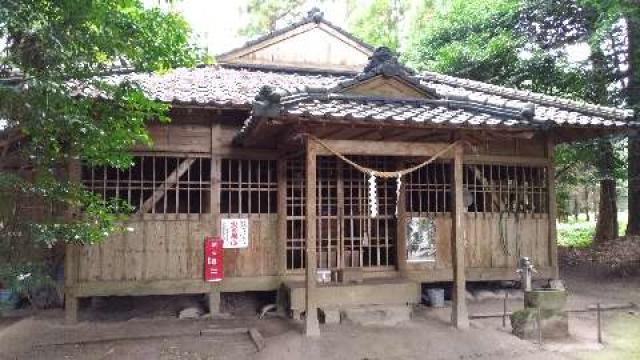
[[238, 86], [489, 93], [459, 113], [222, 87]]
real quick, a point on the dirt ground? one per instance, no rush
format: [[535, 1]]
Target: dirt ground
[[146, 328]]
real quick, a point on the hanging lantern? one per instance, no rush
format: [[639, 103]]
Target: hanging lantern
[[373, 196]]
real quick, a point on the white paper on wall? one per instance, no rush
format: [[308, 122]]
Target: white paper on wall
[[235, 233]]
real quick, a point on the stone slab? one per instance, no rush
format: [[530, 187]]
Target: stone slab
[[377, 315], [369, 292]]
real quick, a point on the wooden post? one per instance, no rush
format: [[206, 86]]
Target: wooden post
[[551, 187], [71, 302], [214, 300], [282, 216], [599, 319], [72, 253], [216, 176], [401, 228], [311, 320], [459, 314]]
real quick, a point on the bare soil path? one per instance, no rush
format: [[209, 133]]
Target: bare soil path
[[107, 333]]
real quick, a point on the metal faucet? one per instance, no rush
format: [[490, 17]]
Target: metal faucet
[[526, 270]]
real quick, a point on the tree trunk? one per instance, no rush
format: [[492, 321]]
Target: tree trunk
[[586, 203], [633, 101], [607, 223]]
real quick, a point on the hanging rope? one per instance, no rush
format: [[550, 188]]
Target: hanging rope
[[373, 173], [386, 174]]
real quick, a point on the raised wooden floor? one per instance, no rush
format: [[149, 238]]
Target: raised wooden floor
[[393, 291]]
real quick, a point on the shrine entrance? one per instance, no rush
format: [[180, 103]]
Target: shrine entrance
[[347, 234]]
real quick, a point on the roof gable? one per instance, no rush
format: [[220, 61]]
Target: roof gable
[[332, 47], [391, 87], [384, 76]]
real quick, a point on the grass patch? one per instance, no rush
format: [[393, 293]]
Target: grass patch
[[622, 340], [576, 234], [579, 234]]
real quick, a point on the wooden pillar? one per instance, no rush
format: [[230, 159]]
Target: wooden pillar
[[282, 217], [216, 176], [459, 314], [71, 302], [214, 295], [553, 212], [401, 227], [214, 300], [311, 327], [72, 254]]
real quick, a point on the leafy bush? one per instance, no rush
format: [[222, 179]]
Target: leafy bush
[[577, 234]]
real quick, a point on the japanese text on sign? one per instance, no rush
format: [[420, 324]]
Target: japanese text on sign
[[235, 233], [213, 270]]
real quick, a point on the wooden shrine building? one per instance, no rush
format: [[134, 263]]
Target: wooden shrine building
[[336, 158]]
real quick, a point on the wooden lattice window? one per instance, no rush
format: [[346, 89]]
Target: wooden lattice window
[[156, 184], [347, 236], [494, 188], [296, 224], [487, 188], [369, 242], [248, 186], [428, 190]]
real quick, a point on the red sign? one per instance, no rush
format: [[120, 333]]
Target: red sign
[[213, 259]]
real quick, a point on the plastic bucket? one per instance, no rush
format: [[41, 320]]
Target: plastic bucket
[[435, 297]]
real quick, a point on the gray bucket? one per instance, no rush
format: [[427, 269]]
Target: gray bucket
[[435, 297]]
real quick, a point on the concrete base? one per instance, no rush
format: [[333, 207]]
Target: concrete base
[[330, 316], [377, 315], [342, 296]]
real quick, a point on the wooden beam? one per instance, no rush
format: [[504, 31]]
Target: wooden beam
[[459, 314], [551, 187], [311, 320], [388, 148], [171, 180], [507, 160], [175, 287]]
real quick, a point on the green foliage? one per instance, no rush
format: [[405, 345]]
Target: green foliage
[[62, 47], [576, 234], [523, 44], [579, 233], [379, 23], [468, 38], [265, 14]]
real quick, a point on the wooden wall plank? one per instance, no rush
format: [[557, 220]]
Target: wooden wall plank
[[133, 243]]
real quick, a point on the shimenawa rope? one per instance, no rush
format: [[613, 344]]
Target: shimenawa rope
[[386, 174]]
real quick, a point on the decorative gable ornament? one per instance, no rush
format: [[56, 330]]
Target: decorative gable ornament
[[267, 102]]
